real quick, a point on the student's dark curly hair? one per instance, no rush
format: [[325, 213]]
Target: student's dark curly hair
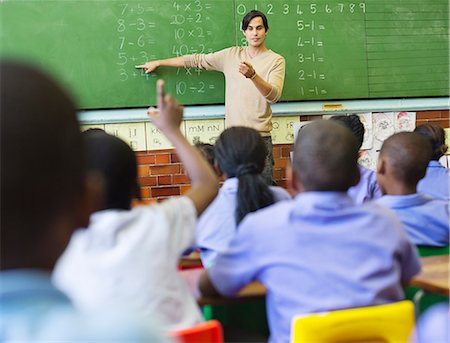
[[241, 152], [436, 136], [353, 123]]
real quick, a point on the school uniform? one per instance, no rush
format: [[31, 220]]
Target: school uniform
[[367, 189], [317, 252], [217, 225], [33, 310], [426, 220], [130, 258], [436, 181]]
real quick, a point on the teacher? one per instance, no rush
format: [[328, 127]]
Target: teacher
[[254, 78]]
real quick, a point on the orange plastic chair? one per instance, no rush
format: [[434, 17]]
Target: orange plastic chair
[[207, 332], [389, 323]]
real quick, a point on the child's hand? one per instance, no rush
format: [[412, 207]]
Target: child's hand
[[169, 114]]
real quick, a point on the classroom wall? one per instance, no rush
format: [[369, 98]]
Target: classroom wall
[[161, 174]]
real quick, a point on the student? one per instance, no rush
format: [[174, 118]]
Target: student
[[433, 326], [401, 164], [130, 255], [207, 151], [41, 142], [239, 154], [437, 179], [254, 78], [367, 189], [320, 251]]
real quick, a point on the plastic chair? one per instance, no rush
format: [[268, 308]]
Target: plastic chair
[[433, 251], [207, 332], [382, 323]]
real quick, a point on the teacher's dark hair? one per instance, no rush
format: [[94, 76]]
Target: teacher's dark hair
[[240, 152], [253, 14]]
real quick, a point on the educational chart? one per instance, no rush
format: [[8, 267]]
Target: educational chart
[[341, 49]]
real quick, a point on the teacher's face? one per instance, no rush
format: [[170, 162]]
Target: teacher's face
[[255, 34]]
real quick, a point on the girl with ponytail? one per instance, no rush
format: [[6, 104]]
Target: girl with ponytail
[[239, 155]]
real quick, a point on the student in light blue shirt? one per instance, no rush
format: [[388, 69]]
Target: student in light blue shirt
[[437, 179], [239, 155], [401, 164], [319, 251], [37, 218], [367, 188]]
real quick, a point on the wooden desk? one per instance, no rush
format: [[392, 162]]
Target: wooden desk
[[434, 277], [191, 261]]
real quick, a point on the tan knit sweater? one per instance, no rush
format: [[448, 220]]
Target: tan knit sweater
[[244, 104]]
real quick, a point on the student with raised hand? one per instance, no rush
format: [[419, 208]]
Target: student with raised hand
[[367, 189], [254, 78], [129, 256], [40, 138], [239, 155], [319, 251], [401, 164], [437, 179]]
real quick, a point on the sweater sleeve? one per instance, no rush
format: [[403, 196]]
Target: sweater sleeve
[[276, 79], [212, 61]]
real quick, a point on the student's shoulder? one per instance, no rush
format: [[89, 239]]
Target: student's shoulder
[[280, 193], [269, 218]]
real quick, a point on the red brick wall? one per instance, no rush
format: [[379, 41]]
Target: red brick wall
[[161, 174]]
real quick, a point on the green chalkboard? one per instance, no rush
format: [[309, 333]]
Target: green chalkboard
[[334, 49]]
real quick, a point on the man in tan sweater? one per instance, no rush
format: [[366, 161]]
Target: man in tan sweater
[[254, 77]]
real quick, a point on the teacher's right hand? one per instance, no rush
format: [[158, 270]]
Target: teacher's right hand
[[149, 66]]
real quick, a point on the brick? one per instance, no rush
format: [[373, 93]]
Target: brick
[[184, 189], [286, 151], [165, 169], [145, 192], [281, 163], [165, 180], [279, 174], [174, 158], [445, 114], [282, 183], [143, 171], [162, 158], [276, 152], [428, 115], [147, 181], [145, 159], [164, 191], [442, 122], [180, 179]]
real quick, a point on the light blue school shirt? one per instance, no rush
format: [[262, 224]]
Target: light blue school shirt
[[318, 252], [367, 189], [33, 310], [426, 220], [217, 225], [436, 181]]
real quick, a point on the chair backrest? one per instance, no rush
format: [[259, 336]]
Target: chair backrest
[[207, 332], [433, 251], [391, 323]]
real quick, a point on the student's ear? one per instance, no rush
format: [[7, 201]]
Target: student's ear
[[217, 169], [92, 199], [294, 185]]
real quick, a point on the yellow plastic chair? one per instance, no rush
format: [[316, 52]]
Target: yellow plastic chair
[[390, 323]]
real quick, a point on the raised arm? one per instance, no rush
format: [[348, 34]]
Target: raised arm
[[151, 66], [168, 119]]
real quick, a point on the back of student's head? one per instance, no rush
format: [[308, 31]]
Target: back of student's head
[[240, 152], [115, 161], [325, 157], [353, 123], [436, 136], [207, 151], [42, 167], [407, 154]]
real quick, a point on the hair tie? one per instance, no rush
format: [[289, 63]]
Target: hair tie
[[247, 168]]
